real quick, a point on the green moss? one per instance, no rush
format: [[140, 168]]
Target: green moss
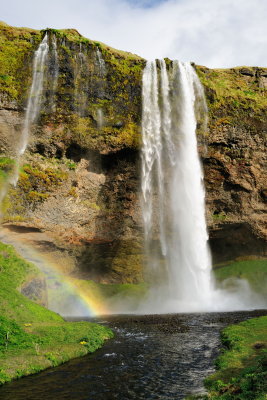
[[113, 92], [6, 164], [36, 183], [242, 365], [17, 46], [219, 217], [233, 98], [87, 136]]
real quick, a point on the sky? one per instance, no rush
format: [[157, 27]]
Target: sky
[[214, 33]]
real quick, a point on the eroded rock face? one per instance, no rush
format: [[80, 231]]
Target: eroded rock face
[[235, 162], [80, 175], [235, 179]]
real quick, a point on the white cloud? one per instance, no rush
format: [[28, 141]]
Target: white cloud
[[216, 33]]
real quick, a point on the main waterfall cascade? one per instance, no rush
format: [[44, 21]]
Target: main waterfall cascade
[[173, 197], [171, 167]]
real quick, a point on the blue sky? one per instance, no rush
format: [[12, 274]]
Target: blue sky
[[215, 33]]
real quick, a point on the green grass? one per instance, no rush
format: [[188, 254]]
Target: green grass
[[254, 271], [14, 272], [33, 338], [12, 335], [242, 373]]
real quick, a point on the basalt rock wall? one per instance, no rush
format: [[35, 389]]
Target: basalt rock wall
[[80, 176]]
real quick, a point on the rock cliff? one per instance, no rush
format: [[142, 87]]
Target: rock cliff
[[79, 178]]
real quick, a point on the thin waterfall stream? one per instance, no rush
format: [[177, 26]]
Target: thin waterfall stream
[[34, 102], [35, 96]]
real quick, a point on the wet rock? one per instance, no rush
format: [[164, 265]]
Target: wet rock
[[36, 290]]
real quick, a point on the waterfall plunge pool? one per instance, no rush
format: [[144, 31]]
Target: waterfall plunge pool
[[151, 357]]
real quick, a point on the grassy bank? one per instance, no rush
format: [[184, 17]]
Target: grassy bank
[[241, 368], [33, 338]]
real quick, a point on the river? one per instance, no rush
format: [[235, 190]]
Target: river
[[151, 357]]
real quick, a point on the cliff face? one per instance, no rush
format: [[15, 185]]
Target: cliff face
[[235, 161], [79, 178]]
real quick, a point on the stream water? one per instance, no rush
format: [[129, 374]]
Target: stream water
[[151, 357]]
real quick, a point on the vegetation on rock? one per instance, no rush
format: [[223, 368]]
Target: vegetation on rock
[[17, 45], [235, 96], [33, 338]]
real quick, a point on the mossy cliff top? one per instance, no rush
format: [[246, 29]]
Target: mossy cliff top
[[93, 98], [97, 102], [236, 96], [18, 44]]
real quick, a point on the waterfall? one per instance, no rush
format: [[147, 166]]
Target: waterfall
[[81, 82], [102, 72], [54, 72], [101, 63], [100, 118], [32, 110], [35, 97], [173, 198], [172, 185]]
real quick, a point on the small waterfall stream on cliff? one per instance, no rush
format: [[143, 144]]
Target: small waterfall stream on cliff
[[32, 111], [101, 64], [102, 72], [35, 96], [173, 196], [41, 63], [63, 296], [53, 72]]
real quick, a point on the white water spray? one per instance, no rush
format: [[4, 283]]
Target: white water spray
[[173, 196]]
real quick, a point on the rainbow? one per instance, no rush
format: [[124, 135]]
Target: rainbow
[[69, 297]]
